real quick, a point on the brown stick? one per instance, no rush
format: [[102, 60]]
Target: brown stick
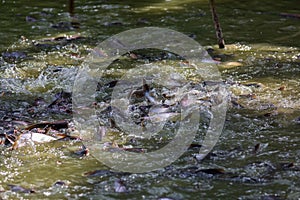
[[219, 34], [71, 7], [74, 22]]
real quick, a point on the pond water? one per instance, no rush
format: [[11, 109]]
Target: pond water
[[258, 154]]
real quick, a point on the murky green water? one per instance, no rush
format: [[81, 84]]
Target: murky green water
[[261, 66]]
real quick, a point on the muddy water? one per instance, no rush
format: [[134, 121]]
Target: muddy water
[[258, 151]]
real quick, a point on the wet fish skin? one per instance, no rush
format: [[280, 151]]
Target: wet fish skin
[[54, 125], [17, 188]]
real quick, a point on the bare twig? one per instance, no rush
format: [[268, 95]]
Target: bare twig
[[219, 34], [71, 7]]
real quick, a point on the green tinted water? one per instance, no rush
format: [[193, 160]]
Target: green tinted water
[[264, 50]]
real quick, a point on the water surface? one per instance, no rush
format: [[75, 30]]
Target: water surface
[[258, 149]]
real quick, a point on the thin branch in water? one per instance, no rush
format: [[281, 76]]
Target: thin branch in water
[[219, 33], [71, 7]]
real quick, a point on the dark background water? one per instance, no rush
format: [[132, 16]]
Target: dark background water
[[242, 21]]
